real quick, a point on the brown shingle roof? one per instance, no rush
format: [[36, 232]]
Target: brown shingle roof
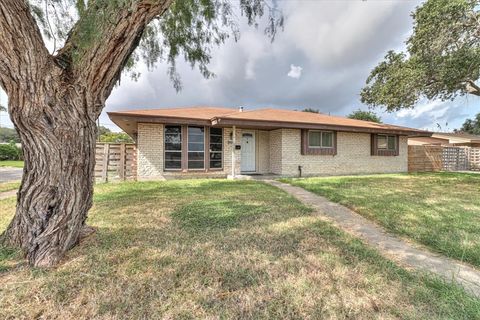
[[201, 113], [260, 118], [291, 116]]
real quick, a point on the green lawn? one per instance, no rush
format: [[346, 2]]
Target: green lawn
[[8, 186], [218, 249], [439, 210], [11, 163]]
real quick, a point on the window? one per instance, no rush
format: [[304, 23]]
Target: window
[[318, 142], [385, 145], [385, 142], [173, 147], [196, 147], [216, 148], [320, 139]]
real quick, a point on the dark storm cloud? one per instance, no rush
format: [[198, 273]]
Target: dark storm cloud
[[335, 43]]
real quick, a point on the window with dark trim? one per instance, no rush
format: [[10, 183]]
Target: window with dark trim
[[318, 142], [173, 147], [196, 148], [320, 139], [216, 148], [385, 145]]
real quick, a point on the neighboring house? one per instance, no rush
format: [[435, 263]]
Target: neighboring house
[[447, 139], [207, 141]]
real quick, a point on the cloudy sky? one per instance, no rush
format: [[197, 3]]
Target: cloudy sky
[[320, 60]]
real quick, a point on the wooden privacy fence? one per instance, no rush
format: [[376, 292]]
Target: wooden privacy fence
[[115, 162], [436, 158], [425, 158]]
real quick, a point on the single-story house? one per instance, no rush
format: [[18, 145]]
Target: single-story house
[[459, 139], [210, 141]]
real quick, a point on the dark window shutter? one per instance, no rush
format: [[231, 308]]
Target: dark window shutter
[[397, 146], [304, 142], [373, 144], [335, 143]]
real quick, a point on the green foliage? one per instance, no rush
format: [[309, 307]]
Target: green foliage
[[10, 152], [472, 125], [117, 137], [365, 115], [442, 59], [311, 110], [9, 135], [106, 135], [103, 130], [189, 28]]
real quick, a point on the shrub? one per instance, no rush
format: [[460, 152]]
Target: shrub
[[10, 152]]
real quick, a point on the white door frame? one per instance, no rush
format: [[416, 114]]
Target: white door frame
[[252, 166]]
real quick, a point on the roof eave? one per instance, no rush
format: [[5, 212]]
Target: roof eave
[[219, 121]]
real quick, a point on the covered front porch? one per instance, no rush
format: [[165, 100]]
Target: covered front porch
[[250, 153]]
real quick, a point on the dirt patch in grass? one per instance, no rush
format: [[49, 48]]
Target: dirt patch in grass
[[218, 249]]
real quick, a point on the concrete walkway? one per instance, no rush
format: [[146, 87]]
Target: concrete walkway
[[8, 174], [389, 246]]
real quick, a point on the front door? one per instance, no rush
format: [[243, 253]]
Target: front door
[[247, 161]]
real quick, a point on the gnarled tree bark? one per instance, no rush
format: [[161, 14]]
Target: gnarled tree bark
[[53, 103]]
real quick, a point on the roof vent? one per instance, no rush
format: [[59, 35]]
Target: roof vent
[[240, 109]]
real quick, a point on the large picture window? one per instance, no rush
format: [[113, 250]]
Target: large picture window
[[173, 147], [196, 148], [216, 148], [320, 139]]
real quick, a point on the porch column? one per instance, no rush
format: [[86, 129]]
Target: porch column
[[234, 135]]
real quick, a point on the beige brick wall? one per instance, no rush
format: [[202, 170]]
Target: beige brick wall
[[150, 151], [353, 156], [278, 152], [263, 151], [275, 155], [227, 153]]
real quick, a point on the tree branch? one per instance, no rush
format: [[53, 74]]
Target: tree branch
[[99, 67], [22, 51], [473, 88]]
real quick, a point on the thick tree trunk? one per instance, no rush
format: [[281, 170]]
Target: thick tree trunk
[[54, 101], [58, 140]]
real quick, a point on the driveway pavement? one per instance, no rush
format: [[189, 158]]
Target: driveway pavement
[[10, 174]]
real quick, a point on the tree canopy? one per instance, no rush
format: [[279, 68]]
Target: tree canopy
[[442, 59], [472, 125], [311, 110], [187, 28], [365, 115], [106, 135]]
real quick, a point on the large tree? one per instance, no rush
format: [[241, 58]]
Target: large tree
[[471, 125], [442, 59], [365, 115], [55, 98]]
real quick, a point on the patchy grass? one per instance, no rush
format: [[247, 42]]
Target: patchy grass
[[218, 249], [8, 186], [11, 163], [439, 210]]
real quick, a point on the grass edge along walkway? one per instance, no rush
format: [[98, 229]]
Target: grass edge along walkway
[[388, 245]]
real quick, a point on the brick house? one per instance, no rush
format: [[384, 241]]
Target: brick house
[[221, 142]]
